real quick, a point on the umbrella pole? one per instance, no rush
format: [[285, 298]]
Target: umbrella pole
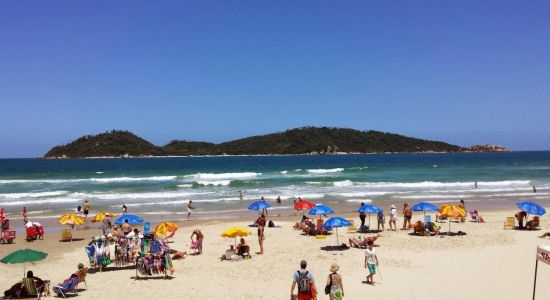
[[369, 221], [337, 243]]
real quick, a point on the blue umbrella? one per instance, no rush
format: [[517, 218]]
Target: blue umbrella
[[336, 222], [370, 209], [321, 209], [531, 207], [259, 205], [424, 206], [132, 219]]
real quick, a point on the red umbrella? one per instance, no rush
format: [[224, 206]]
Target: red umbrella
[[303, 205]]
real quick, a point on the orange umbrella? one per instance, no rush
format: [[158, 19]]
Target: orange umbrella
[[102, 215], [452, 211]]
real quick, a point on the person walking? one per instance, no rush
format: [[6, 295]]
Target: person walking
[[393, 218], [334, 283], [305, 282], [407, 216], [371, 262], [189, 208], [261, 232], [86, 208]]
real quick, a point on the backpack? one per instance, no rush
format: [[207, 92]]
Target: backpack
[[304, 283]]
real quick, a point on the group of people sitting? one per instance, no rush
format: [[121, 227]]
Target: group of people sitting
[[422, 229], [362, 241], [309, 227], [521, 216], [240, 252], [33, 286]]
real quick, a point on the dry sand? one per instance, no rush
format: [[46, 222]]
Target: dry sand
[[488, 263]]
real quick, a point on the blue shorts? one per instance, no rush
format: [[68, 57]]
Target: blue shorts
[[372, 268]]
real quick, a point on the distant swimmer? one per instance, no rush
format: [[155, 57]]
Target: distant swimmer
[[475, 184], [279, 199], [240, 195], [189, 208], [534, 189]]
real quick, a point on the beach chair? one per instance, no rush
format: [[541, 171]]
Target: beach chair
[[66, 235], [69, 286], [30, 287], [352, 227], [427, 219], [146, 227], [509, 223], [81, 275]]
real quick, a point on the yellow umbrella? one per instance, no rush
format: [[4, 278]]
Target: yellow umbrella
[[235, 232], [166, 229], [102, 215], [71, 219], [452, 211]]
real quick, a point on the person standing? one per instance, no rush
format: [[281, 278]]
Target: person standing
[[334, 282], [305, 282], [463, 206], [189, 208], [534, 189], [240, 195], [475, 184], [86, 208], [393, 218], [279, 199], [362, 217], [371, 262], [407, 216], [124, 209], [261, 232], [381, 220], [107, 225]]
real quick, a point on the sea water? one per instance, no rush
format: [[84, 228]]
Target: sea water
[[165, 185]]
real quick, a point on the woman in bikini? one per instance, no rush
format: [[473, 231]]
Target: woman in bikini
[[261, 236], [199, 237]]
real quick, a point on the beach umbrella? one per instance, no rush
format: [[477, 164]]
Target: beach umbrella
[[336, 222], [132, 219], [320, 209], [303, 205], [452, 211], [531, 207], [424, 206], [23, 256], [259, 205], [235, 232], [102, 215], [71, 219], [369, 209], [166, 229]]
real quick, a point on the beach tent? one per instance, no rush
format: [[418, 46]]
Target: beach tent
[[132, 219], [23, 256], [235, 232], [369, 209], [424, 206], [303, 205], [336, 222], [452, 211], [320, 209]]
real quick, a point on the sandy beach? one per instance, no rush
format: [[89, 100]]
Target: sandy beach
[[487, 263]]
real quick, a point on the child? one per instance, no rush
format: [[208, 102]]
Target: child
[[371, 262], [381, 220]]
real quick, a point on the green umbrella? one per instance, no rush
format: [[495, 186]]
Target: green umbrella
[[22, 256]]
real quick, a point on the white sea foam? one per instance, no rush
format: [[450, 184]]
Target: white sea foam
[[435, 184], [219, 176], [40, 201], [323, 171], [434, 196], [343, 183], [284, 172], [33, 195], [151, 195], [99, 172], [214, 182], [359, 200]]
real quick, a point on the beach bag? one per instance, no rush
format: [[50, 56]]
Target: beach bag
[[304, 283], [328, 286]]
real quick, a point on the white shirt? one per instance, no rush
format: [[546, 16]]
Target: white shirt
[[393, 214], [370, 254]]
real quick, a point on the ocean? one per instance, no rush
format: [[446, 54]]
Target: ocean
[[165, 185]]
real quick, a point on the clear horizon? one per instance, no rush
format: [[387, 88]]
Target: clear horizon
[[460, 72]]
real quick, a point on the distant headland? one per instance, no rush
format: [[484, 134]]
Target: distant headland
[[304, 140]]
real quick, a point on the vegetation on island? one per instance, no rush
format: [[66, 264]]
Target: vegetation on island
[[305, 140]]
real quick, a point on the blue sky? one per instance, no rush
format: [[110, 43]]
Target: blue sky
[[465, 72]]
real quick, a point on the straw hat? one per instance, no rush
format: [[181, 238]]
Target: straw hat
[[334, 267], [392, 206]]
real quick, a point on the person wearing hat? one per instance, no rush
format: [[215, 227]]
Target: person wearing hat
[[393, 218], [334, 286]]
